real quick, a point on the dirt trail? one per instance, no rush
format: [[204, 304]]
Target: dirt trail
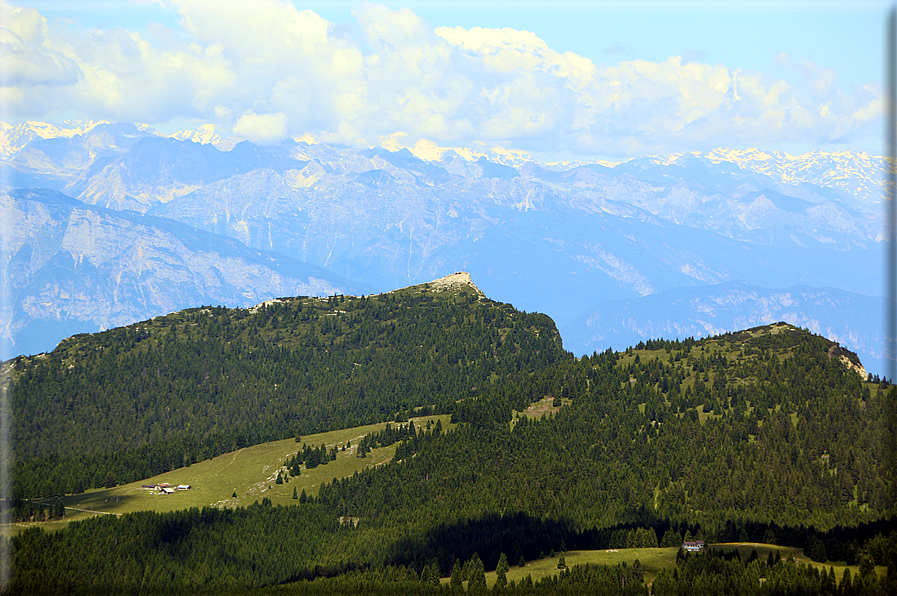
[[236, 453], [93, 511]]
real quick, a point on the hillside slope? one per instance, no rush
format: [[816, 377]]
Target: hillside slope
[[163, 393], [852, 319], [764, 435]]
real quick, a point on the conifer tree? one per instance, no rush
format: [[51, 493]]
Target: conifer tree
[[457, 576], [867, 566], [831, 581], [425, 575], [637, 570], [465, 570], [671, 538], [503, 563], [477, 582], [846, 586], [435, 574], [501, 579]]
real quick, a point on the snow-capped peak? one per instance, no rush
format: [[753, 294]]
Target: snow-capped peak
[[203, 135], [207, 134], [855, 172], [14, 137]]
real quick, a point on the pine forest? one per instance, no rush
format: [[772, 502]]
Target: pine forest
[[511, 464]]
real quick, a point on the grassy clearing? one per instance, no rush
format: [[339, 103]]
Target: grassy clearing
[[744, 550], [250, 472], [654, 559], [540, 408], [644, 355], [651, 559]]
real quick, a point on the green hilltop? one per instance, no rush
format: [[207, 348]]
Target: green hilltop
[[161, 394], [770, 435]]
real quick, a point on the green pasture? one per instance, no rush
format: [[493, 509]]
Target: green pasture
[[251, 472], [538, 409], [763, 550], [653, 560], [627, 359]]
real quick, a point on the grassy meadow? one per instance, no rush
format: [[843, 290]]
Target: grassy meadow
[[250, 472], [763, 550], [653, 560]]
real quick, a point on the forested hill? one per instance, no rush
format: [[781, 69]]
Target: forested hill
[[135, 401], [765, 435]]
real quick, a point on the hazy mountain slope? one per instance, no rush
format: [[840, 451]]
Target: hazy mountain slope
[[71, 267], [549, 237], [854, 320], [13, 138], [62, 160], [858, 175], [741, 205], [390, 218], [156, 170], [759, 197]]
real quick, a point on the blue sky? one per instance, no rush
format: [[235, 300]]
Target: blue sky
[[561, 79]]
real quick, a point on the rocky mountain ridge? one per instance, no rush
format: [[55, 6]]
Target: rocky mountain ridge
[[856, 173], [554, 238], [72, 268], [13, 138]]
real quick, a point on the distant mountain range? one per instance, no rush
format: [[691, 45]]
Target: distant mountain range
[[558, 238], [74, 268]]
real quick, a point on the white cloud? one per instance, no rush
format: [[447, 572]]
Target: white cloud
[[262, 128], [274, 71], [29, 57]]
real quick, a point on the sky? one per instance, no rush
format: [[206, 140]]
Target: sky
[[560, 80]]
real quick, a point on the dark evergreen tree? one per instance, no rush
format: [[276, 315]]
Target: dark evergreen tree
[[457, 576]]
